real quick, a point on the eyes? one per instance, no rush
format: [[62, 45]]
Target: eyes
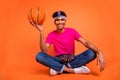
[[60, 20]]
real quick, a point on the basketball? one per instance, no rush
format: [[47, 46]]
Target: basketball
[[36, 15]]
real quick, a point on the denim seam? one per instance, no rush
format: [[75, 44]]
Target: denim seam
[[62, 69], [69, 65]]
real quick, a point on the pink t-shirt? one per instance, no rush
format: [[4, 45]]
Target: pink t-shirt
[[63, 43]]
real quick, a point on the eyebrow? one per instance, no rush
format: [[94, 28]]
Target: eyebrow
[[60, 19]]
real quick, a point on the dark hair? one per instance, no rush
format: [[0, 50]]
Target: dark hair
[[59, 13]]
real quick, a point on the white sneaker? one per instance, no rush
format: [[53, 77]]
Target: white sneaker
[[82, 69], [53, 72]]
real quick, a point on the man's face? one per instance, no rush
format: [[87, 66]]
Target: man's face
[[60, 23]]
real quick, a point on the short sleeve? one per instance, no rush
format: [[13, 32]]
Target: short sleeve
[[76, 34]]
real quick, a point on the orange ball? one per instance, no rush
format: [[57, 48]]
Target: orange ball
[[36, 15]]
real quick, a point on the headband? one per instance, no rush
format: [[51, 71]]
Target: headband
[[59, 15], [64, 17]]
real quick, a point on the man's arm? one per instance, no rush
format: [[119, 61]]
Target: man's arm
[[43, 46], [100, 57]]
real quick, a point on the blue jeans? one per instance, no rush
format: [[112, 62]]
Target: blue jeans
[[55, 62]]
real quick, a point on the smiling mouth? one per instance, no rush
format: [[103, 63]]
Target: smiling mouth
[[60, 24]]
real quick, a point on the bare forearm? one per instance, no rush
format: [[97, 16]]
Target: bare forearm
[[42, 42], [93, 47], [89, 45]]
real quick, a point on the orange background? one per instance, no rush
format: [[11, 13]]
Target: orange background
[[96, 20]]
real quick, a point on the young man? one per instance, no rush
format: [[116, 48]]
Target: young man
[[63, 41]]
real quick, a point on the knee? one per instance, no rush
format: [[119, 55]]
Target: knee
[[39, 56], [91, 54]]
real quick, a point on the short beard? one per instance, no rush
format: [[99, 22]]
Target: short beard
[[60, 28]]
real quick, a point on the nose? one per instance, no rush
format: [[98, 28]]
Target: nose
[[60, 21]]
